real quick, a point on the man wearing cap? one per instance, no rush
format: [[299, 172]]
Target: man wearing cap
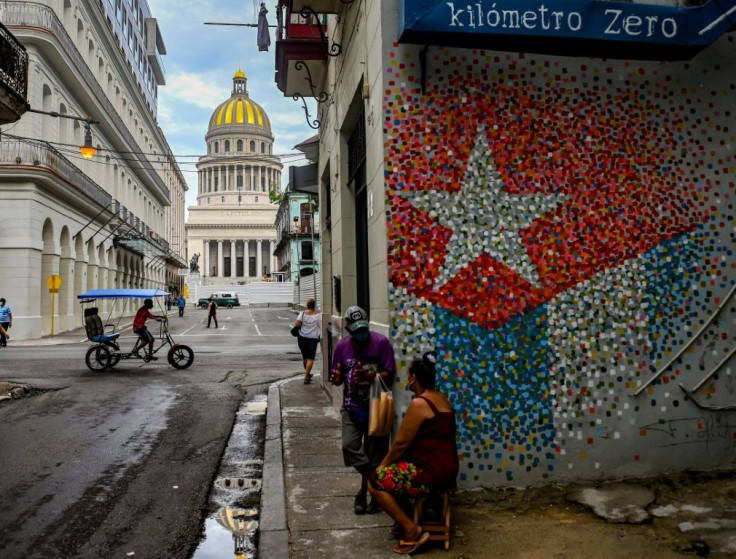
[[6, 321], [356, 362]]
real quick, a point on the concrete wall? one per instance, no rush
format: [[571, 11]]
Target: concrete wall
[[558, 228]]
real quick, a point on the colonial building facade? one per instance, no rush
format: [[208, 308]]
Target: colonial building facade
[[115, 220], [230, 232]]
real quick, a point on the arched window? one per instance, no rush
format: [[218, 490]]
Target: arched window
[[240, 145], [217, 147], [252, 146], [227, 145], [216, 184], [263, 147], [263, 184], [256, 199], [239, 181], [222, 199]]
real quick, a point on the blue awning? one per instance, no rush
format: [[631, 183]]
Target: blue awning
[[571, 27], [123, 294]]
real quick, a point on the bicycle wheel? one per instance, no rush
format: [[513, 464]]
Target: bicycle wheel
[[180, 356], [98, 357]]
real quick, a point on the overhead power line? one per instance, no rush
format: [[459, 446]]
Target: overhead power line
[[156, 154]]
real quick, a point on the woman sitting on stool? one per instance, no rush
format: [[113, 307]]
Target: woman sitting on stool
[[423, 458]]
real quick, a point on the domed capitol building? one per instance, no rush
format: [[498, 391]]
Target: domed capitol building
[[230, 232]]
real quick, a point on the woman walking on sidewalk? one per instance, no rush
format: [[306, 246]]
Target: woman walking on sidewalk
[[309, 323]]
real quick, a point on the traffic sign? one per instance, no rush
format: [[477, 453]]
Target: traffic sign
[[54, 282]]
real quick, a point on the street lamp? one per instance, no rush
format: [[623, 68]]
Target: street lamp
[[88, 151]]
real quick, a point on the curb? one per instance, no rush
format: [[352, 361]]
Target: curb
[[273, 537]]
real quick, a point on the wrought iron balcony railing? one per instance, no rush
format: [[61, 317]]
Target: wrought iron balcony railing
[[40, 154], [13, 77]]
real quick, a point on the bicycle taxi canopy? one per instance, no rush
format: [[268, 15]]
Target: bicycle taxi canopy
[[121, 294]]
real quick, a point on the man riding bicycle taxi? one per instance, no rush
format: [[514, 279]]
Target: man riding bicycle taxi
[[139, 327]]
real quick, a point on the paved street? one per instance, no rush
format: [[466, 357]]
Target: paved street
[[105, 464]]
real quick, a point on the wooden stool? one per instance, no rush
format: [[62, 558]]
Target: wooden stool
[[439, 530]]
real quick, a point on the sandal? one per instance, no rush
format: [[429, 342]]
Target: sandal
[[405, 548]]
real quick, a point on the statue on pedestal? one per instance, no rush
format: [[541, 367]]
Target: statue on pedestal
[[193, 263]]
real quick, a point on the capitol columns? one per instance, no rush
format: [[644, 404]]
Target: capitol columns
[[246, 258], [259, 259], [270, 256], [218, 271], [206, 261], [233, 259]]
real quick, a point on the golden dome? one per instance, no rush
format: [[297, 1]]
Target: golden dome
[[239, 109]]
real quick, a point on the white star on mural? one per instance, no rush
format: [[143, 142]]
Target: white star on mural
[[484, 218]]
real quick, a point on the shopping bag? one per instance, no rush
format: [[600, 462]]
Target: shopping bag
[[381, 411]]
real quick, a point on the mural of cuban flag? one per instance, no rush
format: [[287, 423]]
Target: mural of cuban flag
[[558, 229]]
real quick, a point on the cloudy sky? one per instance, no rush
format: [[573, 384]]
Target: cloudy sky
[[200, 63]]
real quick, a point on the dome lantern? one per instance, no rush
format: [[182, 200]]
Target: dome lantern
[[239, 82]]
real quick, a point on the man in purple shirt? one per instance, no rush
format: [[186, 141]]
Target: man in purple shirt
[[356, 362]]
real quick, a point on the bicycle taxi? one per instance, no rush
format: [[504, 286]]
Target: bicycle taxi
[[106, 352]]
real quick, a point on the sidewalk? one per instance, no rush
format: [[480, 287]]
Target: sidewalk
[[315, 499], [307, 505]]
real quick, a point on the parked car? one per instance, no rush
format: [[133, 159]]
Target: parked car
[[228, 300]]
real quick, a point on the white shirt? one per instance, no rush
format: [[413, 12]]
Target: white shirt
[[311, 325]]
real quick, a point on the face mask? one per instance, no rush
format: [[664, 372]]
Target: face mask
[[360, 336]]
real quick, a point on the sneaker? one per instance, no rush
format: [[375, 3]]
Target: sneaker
[[360, 505], [152, 358], [373, 507], [136, 355]]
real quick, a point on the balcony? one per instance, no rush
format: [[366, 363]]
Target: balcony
[[154, 49], [301, 52], [304, 227], [13, 77]]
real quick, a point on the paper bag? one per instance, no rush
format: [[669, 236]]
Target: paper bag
[[381, 412]]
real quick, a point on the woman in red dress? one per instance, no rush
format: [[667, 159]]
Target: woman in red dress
[[423, 457]]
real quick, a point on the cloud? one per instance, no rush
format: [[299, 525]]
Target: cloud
[[198, 89]]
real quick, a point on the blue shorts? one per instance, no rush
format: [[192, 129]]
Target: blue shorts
[[308, 347], [144, 334]]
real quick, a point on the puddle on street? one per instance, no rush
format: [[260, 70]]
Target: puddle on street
[[221, 543], [232, 530]]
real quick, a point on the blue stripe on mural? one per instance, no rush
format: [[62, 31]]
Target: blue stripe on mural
[[681, 295], [498, 382]]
